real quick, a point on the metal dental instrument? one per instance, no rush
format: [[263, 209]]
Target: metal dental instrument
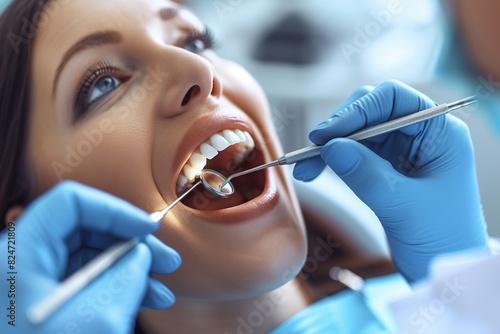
[[39, 312], [221, 189], [158, 215]]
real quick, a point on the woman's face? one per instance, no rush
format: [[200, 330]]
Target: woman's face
[[128, 98]]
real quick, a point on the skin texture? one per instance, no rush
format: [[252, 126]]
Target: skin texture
[[134, 141], [479, 28]]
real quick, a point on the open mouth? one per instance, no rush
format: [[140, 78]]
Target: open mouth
[[228, 152]]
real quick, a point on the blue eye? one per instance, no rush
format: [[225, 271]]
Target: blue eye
[[100, 81], [199, 41], [103, 86], [195, 46]]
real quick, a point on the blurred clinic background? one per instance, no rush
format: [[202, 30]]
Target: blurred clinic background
[[309, 55]]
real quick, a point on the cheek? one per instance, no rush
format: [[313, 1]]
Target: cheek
[[246, 93], [111, 152]]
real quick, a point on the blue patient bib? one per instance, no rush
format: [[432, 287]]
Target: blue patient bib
[[348, 312]]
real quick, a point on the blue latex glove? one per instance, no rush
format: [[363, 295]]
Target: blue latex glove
[[420, 180], [60, 232]]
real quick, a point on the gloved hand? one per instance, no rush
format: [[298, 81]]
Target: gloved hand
[[420, 180], [60, 232]]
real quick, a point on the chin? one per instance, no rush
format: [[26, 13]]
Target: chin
[[238, 247]]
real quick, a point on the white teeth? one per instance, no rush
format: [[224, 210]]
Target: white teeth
[[198, 161], [181, 182], [189, 172], [219, 142], [241, 135], [231, 137], [208, 151], [250, 143]]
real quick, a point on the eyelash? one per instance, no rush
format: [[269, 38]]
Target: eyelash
[[207, 37], [103, 69], [94, 74]]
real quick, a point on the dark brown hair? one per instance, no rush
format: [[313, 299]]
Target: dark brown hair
[[18, 28]]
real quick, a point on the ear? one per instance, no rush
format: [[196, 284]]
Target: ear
[[13, 213]]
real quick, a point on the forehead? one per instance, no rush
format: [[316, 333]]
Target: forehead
[[66, 21], [63, 20]]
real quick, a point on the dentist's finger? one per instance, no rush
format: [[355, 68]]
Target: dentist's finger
[[309, 169], [157, 295], [165, 259]]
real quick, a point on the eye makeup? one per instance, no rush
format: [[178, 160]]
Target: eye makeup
[[84, 94], [198, 41]]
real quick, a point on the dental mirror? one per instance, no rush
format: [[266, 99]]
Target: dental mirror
[[216, 183]]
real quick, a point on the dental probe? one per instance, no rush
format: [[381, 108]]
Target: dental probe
[[39, 312], [314, 150], [158, 215]]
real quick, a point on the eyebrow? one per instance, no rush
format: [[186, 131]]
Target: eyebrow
[[96, 39], [167, 13], [102, 38]]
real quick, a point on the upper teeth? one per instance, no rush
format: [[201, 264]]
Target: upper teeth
[[209, 149]]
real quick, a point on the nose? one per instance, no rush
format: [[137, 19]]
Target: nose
[[191, 81]]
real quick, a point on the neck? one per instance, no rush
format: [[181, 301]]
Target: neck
[[256, 315]]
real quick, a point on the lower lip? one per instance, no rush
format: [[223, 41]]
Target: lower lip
[[265, 202]]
